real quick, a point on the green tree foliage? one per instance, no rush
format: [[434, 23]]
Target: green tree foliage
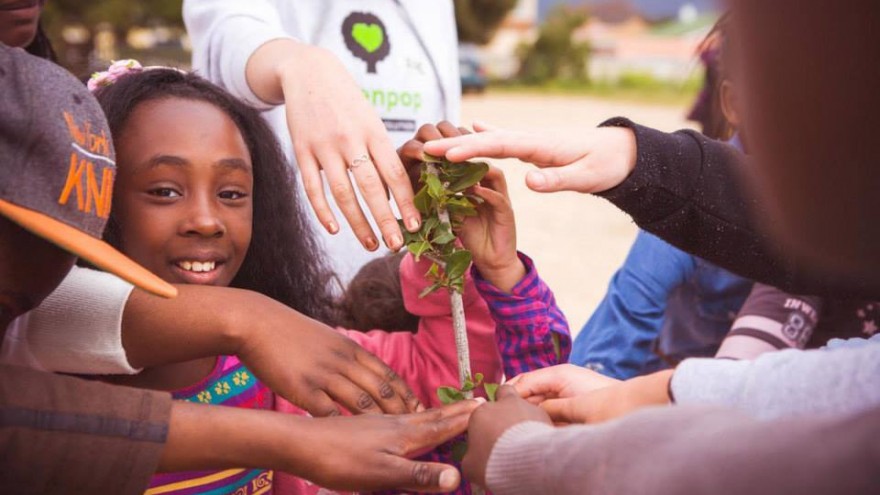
[[121, 14], [554, 56], [478, 20]]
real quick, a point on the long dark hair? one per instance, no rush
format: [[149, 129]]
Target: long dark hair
[[40, 46], [713, 53], [284, 261]]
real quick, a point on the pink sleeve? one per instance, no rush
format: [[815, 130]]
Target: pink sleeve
[[427, 360]]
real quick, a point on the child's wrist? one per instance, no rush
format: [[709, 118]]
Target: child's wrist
[[504, 277]]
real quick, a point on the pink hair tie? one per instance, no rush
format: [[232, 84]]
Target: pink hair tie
[[116, 70]]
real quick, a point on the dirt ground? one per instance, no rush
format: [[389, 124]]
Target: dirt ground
[[577, 241]]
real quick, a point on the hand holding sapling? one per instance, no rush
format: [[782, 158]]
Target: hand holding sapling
[[444, 202], [488, 231], [490, 236]]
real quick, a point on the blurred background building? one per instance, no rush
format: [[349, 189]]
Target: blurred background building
[[602, 43]]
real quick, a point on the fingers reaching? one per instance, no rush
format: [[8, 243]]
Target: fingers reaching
[[544, 383], [564, 410], [426, 477], [374, 193], [395, 176], [314, 187], [340, 186], [480, 126], [577, 177], [391, 392], [319, 404]]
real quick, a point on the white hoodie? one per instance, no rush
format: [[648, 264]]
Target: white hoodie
[[391, 48]]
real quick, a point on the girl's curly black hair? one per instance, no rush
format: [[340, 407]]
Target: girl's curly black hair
[[41, 47], [285, 260]]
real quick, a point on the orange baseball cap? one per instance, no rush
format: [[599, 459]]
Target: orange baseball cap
[[58, 164]]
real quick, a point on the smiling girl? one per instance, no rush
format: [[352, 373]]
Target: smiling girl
[[204, 196]]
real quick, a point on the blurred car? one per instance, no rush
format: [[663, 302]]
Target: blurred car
[[473, 76]]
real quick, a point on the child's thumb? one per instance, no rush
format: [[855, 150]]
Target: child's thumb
[[563, 410]]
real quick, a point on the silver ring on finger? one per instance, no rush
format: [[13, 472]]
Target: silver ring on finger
[[358, 161]]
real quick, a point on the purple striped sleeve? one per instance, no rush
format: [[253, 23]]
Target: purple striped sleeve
[[532, 332]]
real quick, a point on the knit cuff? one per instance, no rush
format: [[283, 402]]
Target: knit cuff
[[516, 464], [653, 189], [705, 381]]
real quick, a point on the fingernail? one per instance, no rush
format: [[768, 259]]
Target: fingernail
[[396, 241], [332, 227], [448, 479], [480, 400], [413, 224], [371, 243], [420, 407], [538, 179]]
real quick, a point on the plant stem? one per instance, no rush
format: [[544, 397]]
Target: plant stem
[[458, 321], [461, 340]]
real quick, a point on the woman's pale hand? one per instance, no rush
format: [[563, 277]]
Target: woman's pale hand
[[334, 129], [559, 382], [597, 160], [613, 401]]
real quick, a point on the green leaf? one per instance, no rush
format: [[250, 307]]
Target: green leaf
[[457, 263], [468, 385], [422, 202], [449, 395], [430, 289], [419, 248], [459, 450], [556, 346], [434, 271], [478, 378], [443, 235], [429, 158], [408, 237], [475, 171], [459, 201], [491, 389], [456, 211], [429, 225], [435, 187]]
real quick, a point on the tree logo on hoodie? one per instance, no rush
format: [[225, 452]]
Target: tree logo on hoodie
[[366, 38]]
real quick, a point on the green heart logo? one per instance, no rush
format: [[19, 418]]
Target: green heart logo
[[369, 36]]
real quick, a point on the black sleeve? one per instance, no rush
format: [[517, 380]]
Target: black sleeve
[[690, 191]]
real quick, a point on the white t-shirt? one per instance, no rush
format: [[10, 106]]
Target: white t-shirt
[[403, 54]]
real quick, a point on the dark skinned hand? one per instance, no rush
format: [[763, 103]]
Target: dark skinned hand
[[412, 151], [489, 422], [304, 361]]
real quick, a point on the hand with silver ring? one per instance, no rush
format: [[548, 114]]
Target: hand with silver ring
[[357, 162], [348, 136]]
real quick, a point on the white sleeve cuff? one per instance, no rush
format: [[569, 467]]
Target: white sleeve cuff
[[77, 329]]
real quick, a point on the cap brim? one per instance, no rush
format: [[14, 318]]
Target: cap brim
[[95, 251]]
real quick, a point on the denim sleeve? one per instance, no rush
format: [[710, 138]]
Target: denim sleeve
[[616, 341]]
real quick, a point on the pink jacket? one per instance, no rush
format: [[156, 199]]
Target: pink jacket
[[426, 359]]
